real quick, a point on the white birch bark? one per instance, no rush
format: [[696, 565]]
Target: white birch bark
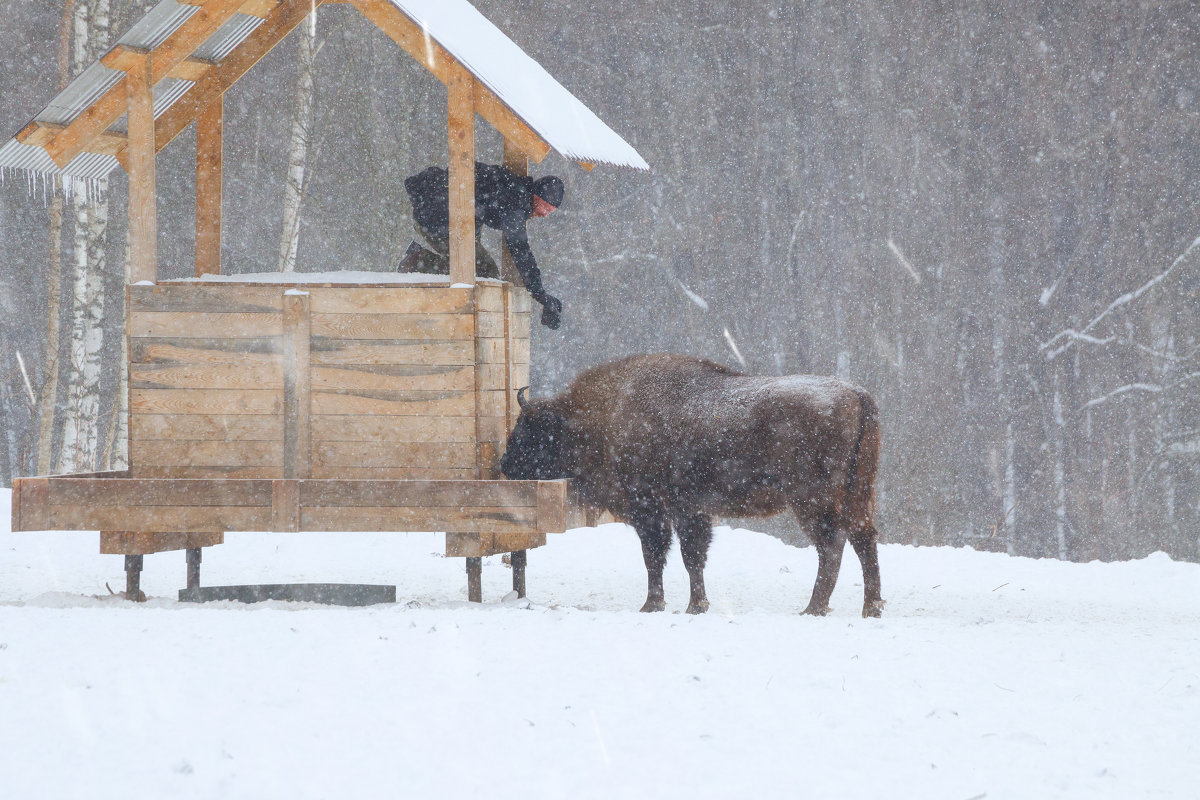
[[1060, 482], [81, 431], [298, 150], [47, 410]]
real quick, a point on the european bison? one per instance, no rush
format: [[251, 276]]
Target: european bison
[[668, 441]]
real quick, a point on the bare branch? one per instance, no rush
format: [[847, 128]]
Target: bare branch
[[1073, 336], [904, 262], [1131, 387]]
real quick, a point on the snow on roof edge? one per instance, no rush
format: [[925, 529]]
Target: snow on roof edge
[[521, 83]]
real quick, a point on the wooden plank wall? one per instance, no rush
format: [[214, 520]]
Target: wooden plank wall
[[502, 352], [397, 382], [205, 381], [393, 383]]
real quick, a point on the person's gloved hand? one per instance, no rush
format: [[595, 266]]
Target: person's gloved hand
[[551, 310]]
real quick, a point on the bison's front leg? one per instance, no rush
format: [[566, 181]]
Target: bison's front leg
[[655, 533], [695, 535]]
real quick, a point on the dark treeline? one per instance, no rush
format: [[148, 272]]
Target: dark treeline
[[984, 213]]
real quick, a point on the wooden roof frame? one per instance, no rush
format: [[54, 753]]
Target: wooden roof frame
[[133, 95]]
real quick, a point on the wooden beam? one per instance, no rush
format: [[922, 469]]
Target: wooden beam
[[259, 8], [145, 542], [279, 23], [143, 226], [216, 505], [503, 119], [460, 124], [190, 69], [398, 27], [209, 168], [39, 134], [551, 512], [97, 118], [285, 506], [123, 57], [516, 161], [297, 386]]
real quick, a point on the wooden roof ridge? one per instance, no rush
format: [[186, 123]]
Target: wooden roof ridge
[[198, 49]]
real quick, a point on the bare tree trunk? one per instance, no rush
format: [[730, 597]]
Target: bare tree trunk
[[298, 151], [116, 446], [1060, 482], [48, 402], [81, 432]]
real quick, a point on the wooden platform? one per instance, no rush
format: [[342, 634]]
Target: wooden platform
[[479, 517]]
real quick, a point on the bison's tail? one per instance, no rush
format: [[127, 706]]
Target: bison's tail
[[864, 460]]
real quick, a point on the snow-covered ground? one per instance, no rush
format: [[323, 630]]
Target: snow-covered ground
[[988, 676]]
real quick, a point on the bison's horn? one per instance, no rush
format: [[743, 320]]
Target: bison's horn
[[522, 400]]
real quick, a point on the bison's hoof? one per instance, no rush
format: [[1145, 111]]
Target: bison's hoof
[[697, 607], [815, 611], [654, 605], [873, 608]]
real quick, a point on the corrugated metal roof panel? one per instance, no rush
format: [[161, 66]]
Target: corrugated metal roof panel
[[166, 93], [227, 37], [159, 23], [14, 155], [88, 87], [92, 166], [81, 176]]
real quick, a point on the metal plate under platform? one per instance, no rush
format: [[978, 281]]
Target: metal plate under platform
[[333, 594]]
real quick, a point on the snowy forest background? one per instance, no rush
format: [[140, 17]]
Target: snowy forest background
[[987, 214]]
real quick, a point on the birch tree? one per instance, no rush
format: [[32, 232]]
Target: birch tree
[[299, 142], [53, 343], [81, 431]]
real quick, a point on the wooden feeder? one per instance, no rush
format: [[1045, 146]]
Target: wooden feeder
[[308, 405]]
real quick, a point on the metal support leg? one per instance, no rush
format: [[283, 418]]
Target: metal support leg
[[519, 558], [133, 578], [475, 580], [194, 556]]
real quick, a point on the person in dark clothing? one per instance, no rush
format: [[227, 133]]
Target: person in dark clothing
[[505, 201]]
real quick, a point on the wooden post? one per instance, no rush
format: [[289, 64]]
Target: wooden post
[[461, 140], [133, 578], [515, 160], [194, 556], [209, 166], [297, 386], [475, 579], [519, 559], [143, 225]]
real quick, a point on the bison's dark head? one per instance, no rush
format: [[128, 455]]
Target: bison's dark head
[[537, 447]]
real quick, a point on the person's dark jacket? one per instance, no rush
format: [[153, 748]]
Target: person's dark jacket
[[503, 200]]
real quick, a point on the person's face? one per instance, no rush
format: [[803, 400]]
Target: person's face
[[540, 207]]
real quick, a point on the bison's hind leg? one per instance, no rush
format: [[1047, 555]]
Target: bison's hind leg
[[865, 541], [695, 535], [655, 533], [830, 541]]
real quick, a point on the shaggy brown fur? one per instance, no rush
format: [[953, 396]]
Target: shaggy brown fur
[[669, 441]]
